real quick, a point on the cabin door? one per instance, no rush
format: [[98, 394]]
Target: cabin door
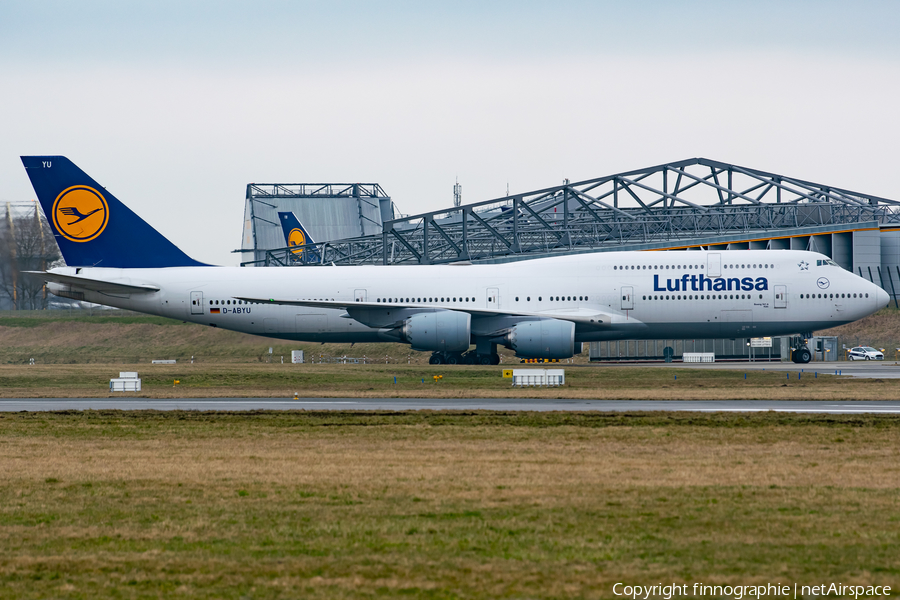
[[780, 296], [714, 265], [628, 298], [493, 298], [359, 295], [196, 303]]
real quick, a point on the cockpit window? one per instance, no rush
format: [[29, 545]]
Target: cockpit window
[[826, 262]]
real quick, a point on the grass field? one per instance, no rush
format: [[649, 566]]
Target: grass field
[[283, 381], [438, 505], [421, 505]]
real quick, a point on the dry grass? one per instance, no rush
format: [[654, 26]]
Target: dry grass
[[438, 505], [587, 382]]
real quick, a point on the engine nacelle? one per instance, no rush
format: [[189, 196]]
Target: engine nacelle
[[446, 330], [550, 338]]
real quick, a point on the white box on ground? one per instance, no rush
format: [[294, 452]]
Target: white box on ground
[[125, 384], [539, 377], [162, 362], [297, 356], [128, 375], [700, 357]]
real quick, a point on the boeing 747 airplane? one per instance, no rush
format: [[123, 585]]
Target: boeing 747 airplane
[[540, 308]]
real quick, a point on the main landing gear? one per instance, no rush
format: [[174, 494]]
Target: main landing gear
[[468, 358], [800, 353]]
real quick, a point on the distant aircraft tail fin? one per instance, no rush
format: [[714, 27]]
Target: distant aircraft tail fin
[[296, 235], [92, 227]]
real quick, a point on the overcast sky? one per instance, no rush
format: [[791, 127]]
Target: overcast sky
[[176, 106]]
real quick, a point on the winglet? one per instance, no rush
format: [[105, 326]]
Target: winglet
[[92, 227]]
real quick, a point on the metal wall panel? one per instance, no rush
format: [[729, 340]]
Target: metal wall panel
[[867, 254]]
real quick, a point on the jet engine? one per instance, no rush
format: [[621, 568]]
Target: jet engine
[[445, 330], [550, 338]]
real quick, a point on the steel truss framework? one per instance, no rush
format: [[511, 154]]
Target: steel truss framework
[[668, 205], [261, 191]]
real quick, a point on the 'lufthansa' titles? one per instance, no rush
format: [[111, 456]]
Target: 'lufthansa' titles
[[701, 283]]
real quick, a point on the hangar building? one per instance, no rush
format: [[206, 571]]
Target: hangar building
[[685, 205]]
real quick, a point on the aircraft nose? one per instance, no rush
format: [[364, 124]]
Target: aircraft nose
[[882, 298]]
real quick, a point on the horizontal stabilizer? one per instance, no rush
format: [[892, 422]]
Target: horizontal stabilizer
[[92, 285]]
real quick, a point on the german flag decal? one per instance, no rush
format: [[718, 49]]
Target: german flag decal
[[214, 311]]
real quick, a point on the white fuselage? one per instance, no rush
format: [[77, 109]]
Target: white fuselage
[[614, 295]]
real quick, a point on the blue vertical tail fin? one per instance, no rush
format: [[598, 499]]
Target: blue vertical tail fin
[[296, 235], [92, 227]]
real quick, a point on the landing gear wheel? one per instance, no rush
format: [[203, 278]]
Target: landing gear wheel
[[436, 359], [453, 359], [484, 359], [802, 356], [495, 359], [471, 358]]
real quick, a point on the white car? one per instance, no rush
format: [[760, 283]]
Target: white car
[[865, 353]]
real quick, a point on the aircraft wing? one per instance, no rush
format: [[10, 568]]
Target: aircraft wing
[[93, 285], [584, 316]]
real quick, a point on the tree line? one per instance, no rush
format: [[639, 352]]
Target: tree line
[[26, 244]]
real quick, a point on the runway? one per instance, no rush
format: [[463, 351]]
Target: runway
[[400, 404], [861, 369]]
